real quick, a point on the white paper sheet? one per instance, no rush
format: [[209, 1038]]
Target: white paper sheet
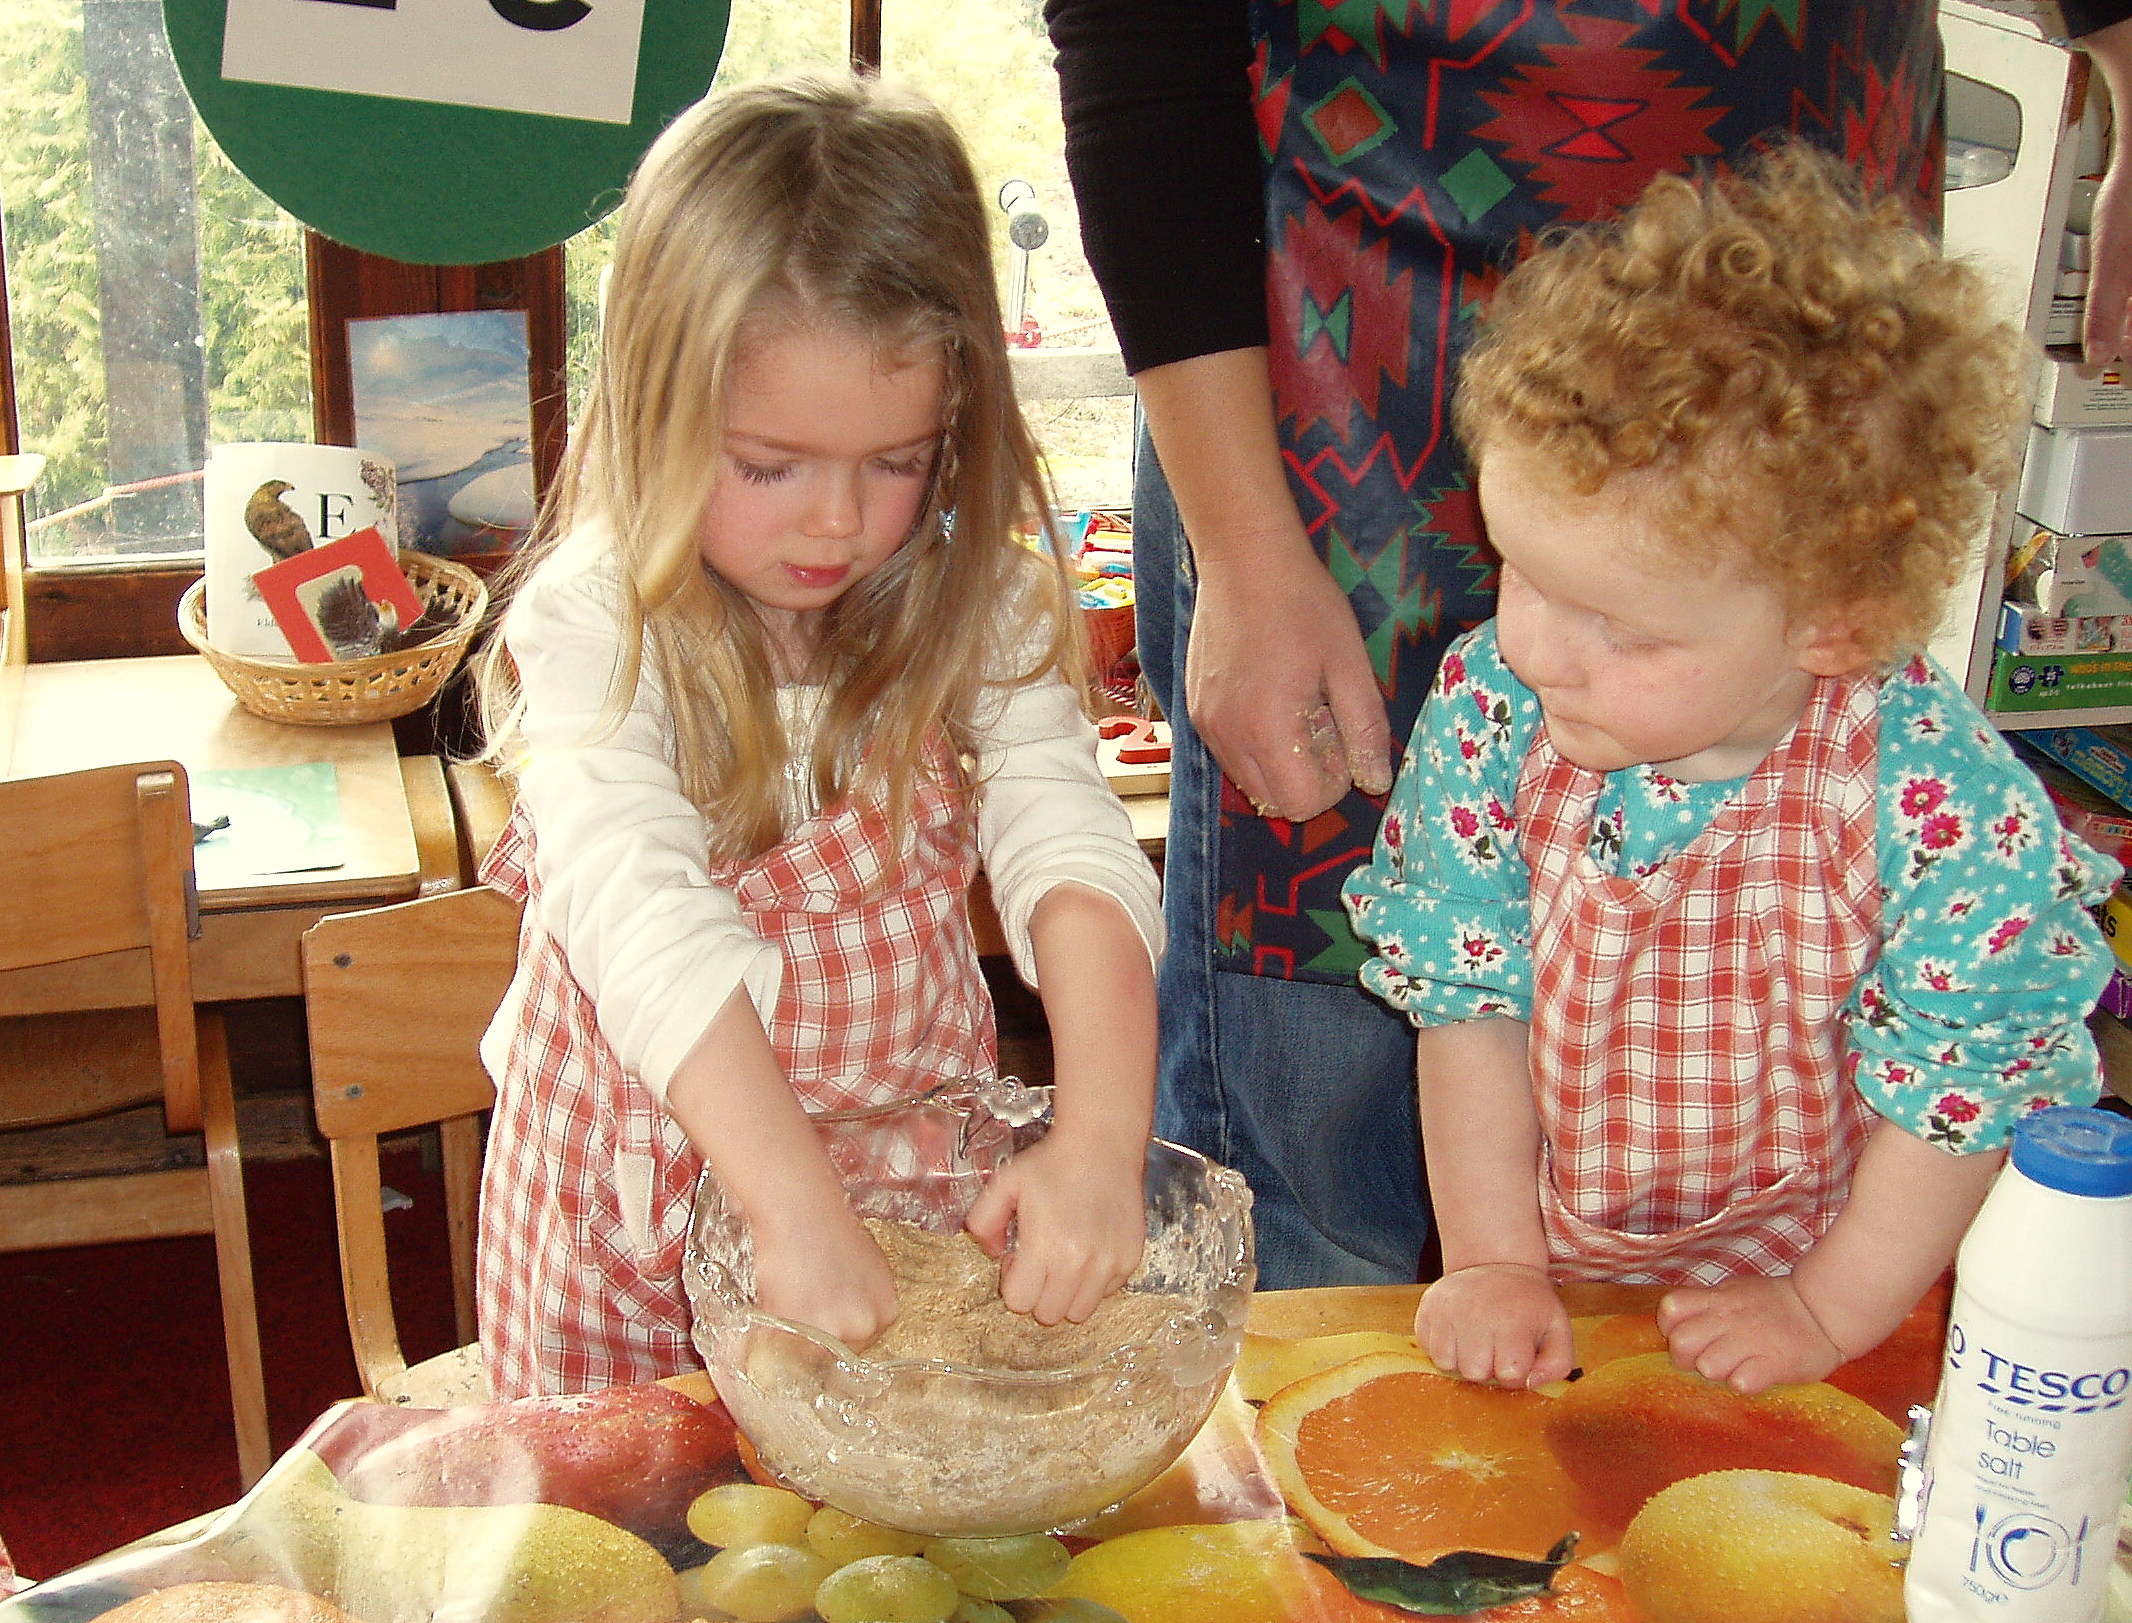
[[563, 58]]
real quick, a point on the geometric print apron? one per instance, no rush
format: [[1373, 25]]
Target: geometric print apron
[[1411, 149], [588, 1185], [1695, 1113]]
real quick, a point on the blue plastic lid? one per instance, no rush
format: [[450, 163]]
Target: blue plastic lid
[[2076, 1149]]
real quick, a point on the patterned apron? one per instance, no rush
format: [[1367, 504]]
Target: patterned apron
[[588, 1186], [1412, 149], [1696, 1116]]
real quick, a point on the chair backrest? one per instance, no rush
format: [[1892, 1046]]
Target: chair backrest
[[98, 862], [397, 999]]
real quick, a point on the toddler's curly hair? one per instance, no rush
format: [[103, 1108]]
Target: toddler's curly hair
[[1829, 402]]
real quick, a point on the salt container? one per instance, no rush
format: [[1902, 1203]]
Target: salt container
[[2030, 1443]]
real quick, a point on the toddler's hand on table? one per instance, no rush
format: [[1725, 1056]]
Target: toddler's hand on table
[[1751, 1334], [1080, 1222], [831, 1276], [1499, 1323]]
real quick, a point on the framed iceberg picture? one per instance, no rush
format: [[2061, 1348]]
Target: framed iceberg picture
[[447, 400]]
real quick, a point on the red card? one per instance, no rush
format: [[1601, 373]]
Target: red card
[[341, 600]]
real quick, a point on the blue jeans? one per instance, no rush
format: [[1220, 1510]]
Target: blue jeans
[[1307, 1089]]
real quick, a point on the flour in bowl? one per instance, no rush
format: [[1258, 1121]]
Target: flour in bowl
[[948, 1307]]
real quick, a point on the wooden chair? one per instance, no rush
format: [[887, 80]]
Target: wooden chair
[[481, 807], [397, 999], [94, 862]]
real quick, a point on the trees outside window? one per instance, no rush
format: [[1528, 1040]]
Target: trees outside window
[[988, 63], [157, 297]]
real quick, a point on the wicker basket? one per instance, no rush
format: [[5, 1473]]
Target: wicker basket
[[353, 690]]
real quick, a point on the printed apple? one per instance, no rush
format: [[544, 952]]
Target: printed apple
[[1637, 1425], [1763, 1547]]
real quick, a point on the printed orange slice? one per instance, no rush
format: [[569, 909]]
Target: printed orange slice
[[1384, 1456]]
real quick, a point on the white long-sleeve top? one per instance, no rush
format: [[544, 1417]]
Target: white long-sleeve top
[[621, 854]]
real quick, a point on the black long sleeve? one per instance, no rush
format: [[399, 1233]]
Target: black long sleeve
[[2085, 16], [1163, 152]]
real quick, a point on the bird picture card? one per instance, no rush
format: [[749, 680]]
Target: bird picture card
[[267, 502], [342, 599]]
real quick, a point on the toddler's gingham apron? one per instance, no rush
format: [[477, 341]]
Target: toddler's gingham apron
[[1695, 1113], [586, 1195]]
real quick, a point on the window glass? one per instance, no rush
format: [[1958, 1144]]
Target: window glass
[[992, 71], [761, 40], [157, 297]]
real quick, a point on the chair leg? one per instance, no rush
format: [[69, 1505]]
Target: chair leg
[[366, 1286], [233, 1251], [460, 1140]]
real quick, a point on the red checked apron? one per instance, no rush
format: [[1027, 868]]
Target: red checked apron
[[1696, 1117], [587, 1192]]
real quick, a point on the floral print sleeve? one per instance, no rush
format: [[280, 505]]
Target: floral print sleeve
[[1975, 1013], [1444, 900]]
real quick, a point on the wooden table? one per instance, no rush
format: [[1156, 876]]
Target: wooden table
[[60, 717]]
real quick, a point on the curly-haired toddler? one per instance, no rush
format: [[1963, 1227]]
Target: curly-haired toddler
[[1737, 938]]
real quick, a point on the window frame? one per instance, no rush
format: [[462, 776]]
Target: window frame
[[125, 608]]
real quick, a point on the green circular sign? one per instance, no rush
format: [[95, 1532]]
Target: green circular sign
[[375, 163]]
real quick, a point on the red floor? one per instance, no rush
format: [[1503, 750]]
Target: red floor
[[114, 1397]]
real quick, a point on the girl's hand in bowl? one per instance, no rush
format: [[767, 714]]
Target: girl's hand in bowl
[[826, 1274], [1079, 1221]]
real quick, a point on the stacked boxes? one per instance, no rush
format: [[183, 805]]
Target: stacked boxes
[[2064, 638], [2087, 771]]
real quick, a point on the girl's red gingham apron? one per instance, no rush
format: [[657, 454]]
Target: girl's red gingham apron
[[1696, 1121], [588, 1186]]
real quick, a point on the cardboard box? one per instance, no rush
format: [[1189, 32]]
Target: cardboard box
[[2078, 481], [2063, 324], [2068, 576], [2069, 395], [2026, 629], [2107, 828], [2115, 918], [2117, 995], [2092, 576], [2084, 809], [2030, 682], [2101, 756]]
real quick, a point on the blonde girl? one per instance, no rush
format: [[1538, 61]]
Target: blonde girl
[[780, 678], [1737, 938]]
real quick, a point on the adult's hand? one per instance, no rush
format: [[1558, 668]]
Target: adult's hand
[[1276, 678], [1279, 685], [2109, 305]]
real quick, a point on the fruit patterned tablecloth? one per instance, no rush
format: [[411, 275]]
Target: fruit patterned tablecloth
[[1341, 1479]]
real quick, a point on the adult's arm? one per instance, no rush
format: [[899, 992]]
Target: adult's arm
[[1163, 151], [1276, 678], [2103, 28]]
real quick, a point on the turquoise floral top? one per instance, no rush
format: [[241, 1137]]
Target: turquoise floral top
[[1972, 1015]]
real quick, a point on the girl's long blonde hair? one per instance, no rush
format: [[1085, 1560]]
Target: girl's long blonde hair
[[830, 202]]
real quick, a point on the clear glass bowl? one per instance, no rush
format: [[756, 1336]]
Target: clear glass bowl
[[952, 1451]]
